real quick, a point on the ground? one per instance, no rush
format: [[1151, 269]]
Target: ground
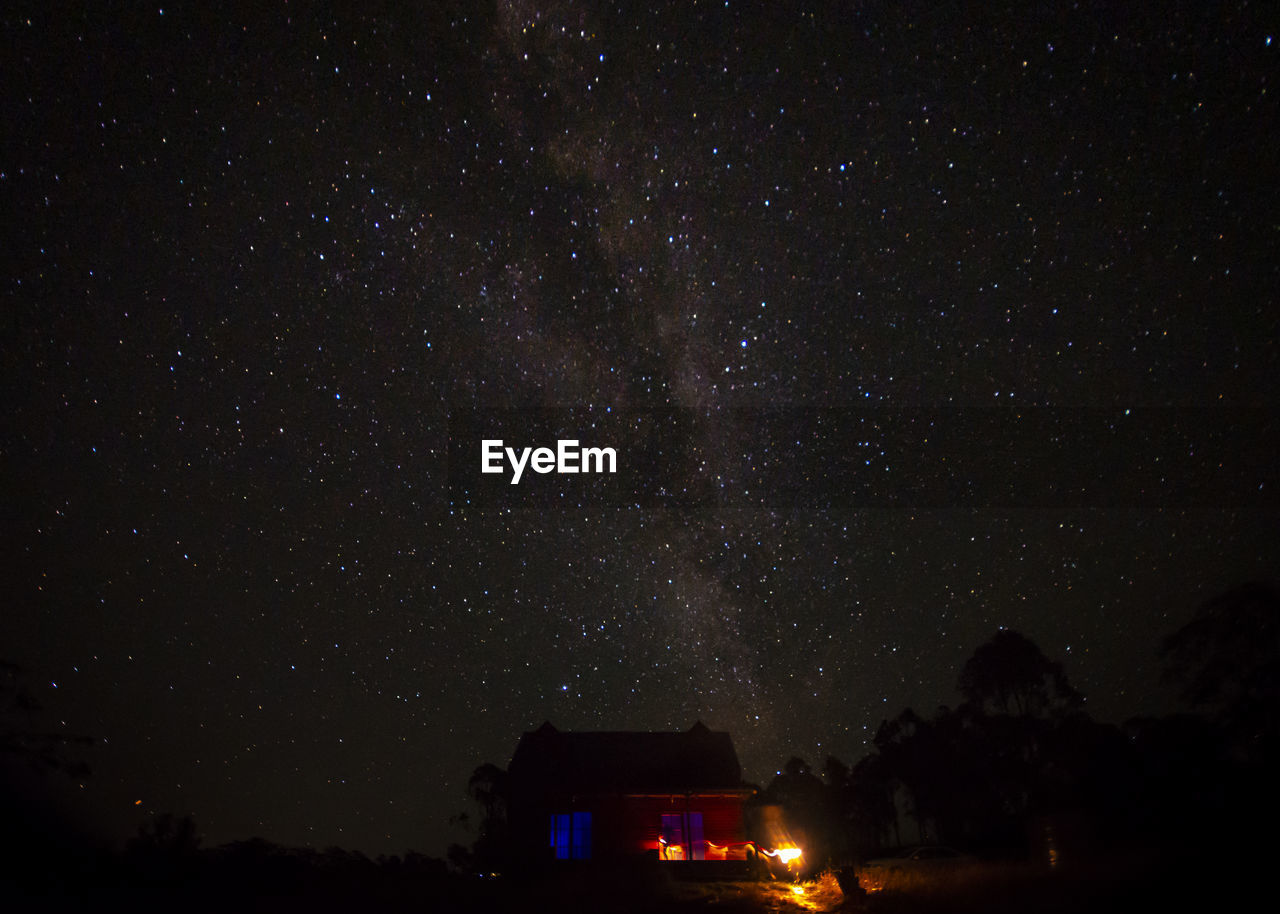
[[822, 894]]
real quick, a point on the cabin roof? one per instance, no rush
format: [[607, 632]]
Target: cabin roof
[[626, 761]]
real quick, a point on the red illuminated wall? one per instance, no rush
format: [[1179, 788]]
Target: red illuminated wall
[[632, 824]]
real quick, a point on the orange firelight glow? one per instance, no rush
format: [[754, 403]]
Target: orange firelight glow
[[786, 854], [710, 850]]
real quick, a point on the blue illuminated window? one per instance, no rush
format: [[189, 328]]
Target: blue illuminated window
[[571, 835]]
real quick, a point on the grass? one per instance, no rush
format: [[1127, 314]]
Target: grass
[[1131, 884], [1125, 883]]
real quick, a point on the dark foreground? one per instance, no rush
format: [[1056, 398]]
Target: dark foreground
[[1134, 883]]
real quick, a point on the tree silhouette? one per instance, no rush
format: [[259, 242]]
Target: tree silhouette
[[488, 786], [912, 756], [862, 801], [20, 737], [948, 770], [168, 835], [1010, 675], [165, 848], [977, 775], [1227, 662], [807, 813]]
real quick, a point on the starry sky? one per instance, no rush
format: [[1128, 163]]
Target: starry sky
[[908, 321]]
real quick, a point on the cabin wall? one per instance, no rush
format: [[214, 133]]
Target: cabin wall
[[630, 826], [722, 826]]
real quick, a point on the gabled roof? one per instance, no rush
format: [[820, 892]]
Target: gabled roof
[[622, 761]]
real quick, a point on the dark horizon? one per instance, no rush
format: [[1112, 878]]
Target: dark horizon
[[57, 795]]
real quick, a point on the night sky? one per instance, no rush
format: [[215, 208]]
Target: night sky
[[829, 277]]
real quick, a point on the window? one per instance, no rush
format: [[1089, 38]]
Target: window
[[571, 835], [682, 837]]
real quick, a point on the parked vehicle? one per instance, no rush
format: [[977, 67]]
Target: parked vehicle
[[928, 864], [924, 858]]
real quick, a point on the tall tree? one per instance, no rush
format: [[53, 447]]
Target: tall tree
[[1227, 662], [488, 787], [1010, 675], [863, 799], [915, 761]]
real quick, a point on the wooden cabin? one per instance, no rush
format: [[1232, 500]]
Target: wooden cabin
[[673, 798]]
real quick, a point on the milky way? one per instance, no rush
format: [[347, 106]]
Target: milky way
[[265, 273]]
